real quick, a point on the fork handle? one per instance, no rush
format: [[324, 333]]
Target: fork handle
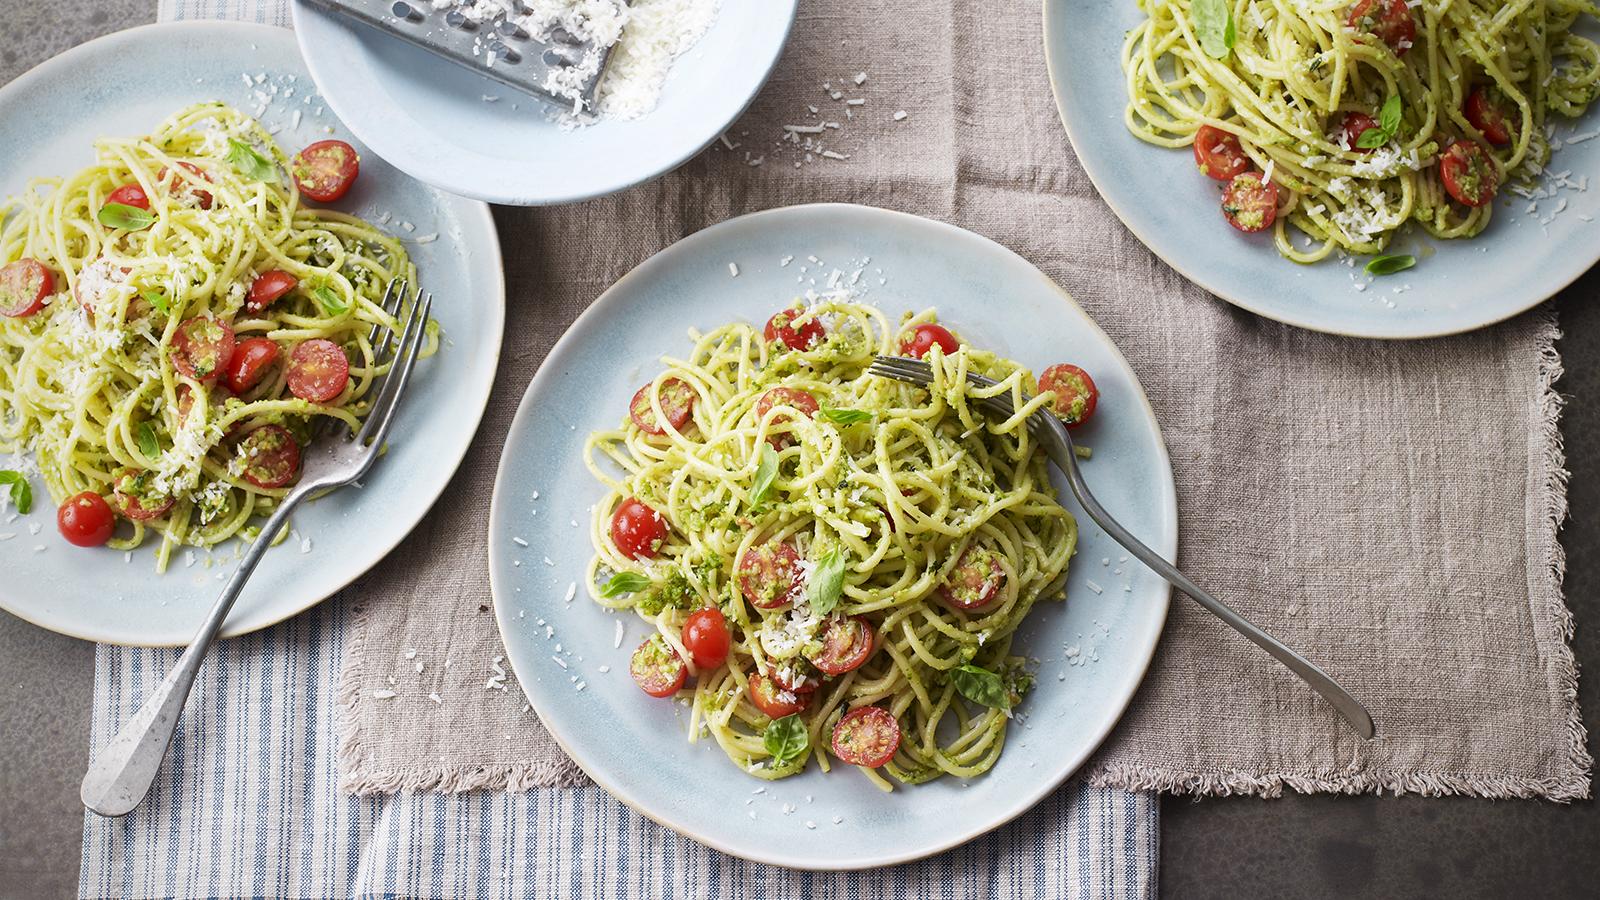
[[122, 772], [1060, 452]]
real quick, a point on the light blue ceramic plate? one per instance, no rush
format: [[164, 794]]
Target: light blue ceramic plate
[[126, 83], [1092, 650], [428, 116], [1518, 262]]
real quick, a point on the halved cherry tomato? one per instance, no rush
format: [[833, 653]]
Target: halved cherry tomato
[[1218, 154], [769, 574], [251, 360], [677, 401], [1390, 20], [129, 195], [705, 636], [782, 396], [1355, 125], [920, 341], [23, 286], [201, 198], [86, 519], [1488, 116], [775, 701], [846, 644], [1249, 204], [201, 348], [976, 580], [270, 457], [1076, 395], [866, 736], [137, 498], [804, 336], [325, 170], [267, 288], [1469, 173], [318, 371], [637, 530], [656, 668]]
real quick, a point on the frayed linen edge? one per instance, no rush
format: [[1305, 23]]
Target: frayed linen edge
[[1564, 787]]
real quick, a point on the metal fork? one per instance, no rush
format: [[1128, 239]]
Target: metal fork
[[1057, 444], [122, 773]]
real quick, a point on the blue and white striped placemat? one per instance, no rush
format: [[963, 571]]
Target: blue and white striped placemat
[[247, 804]]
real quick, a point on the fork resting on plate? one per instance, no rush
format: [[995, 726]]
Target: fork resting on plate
[[124, 769], [1057, 444]]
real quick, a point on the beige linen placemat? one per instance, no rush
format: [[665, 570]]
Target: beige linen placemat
[[1391, 509]]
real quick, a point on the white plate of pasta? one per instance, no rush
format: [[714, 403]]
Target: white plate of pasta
[[796, 611], [192, 265], [1375, 168]]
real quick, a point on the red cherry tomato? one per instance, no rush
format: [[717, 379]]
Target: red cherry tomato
[[1488, 116], [976, 580], [846, 644], [1218, 154], [269, 456], [866, 736], [318, 371], [1469, 173], [637, 530], [1076, 395], [325, 170], [656, 668], [705, 636], [86, 519], [795, 677], [24, 285], [267, 288], [1249, 204], [920, 341], [199, 197], [677, 401], [782, 396], [804, 336], [251, 360], [1355, 125], [775, 701], [202, 348], [1390, 20], [129, 195], [137, 498], [769, 574]]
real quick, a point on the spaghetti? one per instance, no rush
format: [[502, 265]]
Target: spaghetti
[[177, 321], [864, 549], [1367, 114]]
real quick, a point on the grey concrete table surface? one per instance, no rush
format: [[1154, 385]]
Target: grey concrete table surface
[[1317, 846]]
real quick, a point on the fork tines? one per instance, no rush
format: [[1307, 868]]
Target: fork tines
[[405, 351], [918, 372]]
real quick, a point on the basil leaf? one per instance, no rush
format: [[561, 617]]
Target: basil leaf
[[158, 300], [766, 474], [981, 686], [250, 163], [1388, 265], [128, 218], [21, 491], [1389, 116], [1213, 25], [624, 583], [148, 445], [785, 739], [846, 416], [332, 304], [1373, 138], [826, 584]]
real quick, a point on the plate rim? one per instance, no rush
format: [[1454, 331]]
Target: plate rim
[[300, 8], [476, 208], [547, 376], [1057, 72]]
